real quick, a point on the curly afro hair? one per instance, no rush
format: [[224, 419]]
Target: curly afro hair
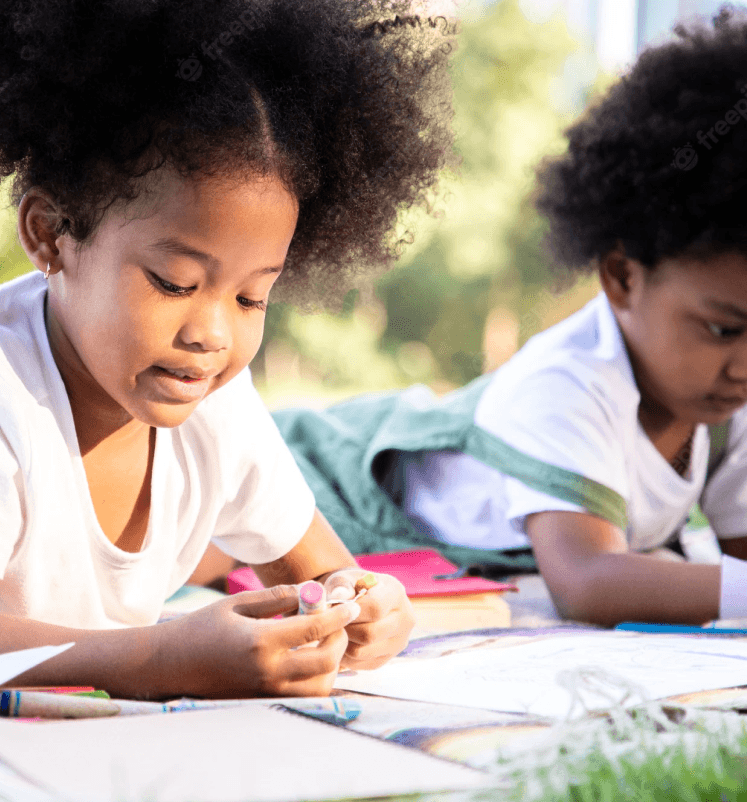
[[348, 102], [659, 165]]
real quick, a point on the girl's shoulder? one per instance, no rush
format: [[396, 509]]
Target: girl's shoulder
[[22, 335], [24, 371], [232, 423]]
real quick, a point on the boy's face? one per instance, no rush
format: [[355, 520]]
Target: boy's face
[[167, 302], [685, 325]]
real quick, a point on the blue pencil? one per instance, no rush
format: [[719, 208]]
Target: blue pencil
[[677, 629]]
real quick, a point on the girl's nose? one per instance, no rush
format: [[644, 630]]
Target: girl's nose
[[207, 327]]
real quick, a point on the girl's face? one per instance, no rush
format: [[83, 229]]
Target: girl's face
[[685, 325], [164, 307]]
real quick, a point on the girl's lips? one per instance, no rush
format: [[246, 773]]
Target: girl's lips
[[174, 389]]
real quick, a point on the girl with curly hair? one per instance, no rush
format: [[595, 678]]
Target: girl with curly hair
[[584, 454], [172, 161]]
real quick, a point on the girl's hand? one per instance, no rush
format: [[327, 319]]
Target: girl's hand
[[383, 627], [233, 648]]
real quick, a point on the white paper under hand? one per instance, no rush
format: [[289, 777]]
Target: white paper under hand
[[14, 663]]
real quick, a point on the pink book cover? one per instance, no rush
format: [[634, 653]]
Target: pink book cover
[[416, 570]]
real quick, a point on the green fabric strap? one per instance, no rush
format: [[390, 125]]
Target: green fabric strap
[[350, 456], [719, 435], [557, 482]]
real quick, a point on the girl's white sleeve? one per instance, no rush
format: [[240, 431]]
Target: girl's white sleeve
[[11, 506], [267, 506]]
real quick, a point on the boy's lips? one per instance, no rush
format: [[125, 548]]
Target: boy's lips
[[727, 401]]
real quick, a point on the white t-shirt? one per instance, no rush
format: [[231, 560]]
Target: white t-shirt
[[225, 474], [569, 399], [724, 499]]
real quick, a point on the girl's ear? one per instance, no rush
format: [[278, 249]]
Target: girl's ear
[[620, 277], [37, 218]]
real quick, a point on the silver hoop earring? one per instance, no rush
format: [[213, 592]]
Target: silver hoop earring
[[49, 267]]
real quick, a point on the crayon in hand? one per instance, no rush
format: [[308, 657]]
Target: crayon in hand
[[361, 587], [364, 584], [311, 598]]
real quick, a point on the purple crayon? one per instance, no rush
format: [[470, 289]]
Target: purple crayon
[[311, 598]]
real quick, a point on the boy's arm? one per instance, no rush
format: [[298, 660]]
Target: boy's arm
[[592, 576], [387, 617], [734, 547]]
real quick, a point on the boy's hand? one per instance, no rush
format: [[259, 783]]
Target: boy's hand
[[383, 627], [233, 648]]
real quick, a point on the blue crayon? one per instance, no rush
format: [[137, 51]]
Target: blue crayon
[[333, 710]]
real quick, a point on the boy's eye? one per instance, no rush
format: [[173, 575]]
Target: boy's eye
[[725, 332]]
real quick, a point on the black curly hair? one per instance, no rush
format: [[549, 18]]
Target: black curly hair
[[347, 101], [659, 165]]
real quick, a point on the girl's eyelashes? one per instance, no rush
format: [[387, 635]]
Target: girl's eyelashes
[[176, 290], [247, 303], [171, 289], [725, 332]]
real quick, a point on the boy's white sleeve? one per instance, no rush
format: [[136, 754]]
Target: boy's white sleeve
[[724, 499], [268, 505], [11, 506], [559, 422]]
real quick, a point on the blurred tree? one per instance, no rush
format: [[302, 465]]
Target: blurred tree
[[13, 259], [483, 249], [474, 284]]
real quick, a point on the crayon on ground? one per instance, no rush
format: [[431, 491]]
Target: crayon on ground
[[52, 705], [32, 704], [333, 710]]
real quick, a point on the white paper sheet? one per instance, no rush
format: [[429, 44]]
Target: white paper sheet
[[229, 755], [14, 663], [535, 677]]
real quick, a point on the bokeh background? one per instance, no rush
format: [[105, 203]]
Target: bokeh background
[[473, 284]]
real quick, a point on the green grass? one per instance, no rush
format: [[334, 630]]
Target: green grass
[[642, 756], [719, 775], [652, 754]]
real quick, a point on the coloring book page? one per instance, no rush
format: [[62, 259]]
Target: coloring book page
[[561, 676], [14, 663]]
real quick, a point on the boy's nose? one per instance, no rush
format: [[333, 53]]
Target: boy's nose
[[736, 367]]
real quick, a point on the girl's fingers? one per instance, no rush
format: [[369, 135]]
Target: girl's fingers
[[321, 660], [266, 603], [341, 585], [372, 631], [301, 629], [372, 655]]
